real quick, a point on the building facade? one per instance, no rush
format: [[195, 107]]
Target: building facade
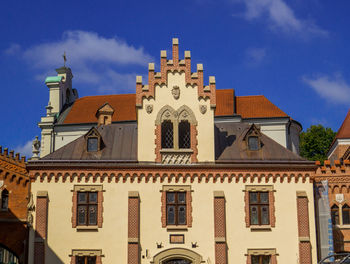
[[177, 173], [15, 207]]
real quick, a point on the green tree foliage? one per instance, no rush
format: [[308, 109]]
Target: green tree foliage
[[315, 142]]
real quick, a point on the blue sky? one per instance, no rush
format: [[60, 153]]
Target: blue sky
[[296, 53]]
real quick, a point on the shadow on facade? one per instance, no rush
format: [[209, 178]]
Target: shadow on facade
[[338, 238], [13, 238], [222, 141]]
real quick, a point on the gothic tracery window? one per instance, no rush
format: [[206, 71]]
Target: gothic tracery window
[[167, 134], [184, 135]]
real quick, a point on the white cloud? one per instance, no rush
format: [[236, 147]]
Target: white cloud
[[333, 89], [280, 17], [255, 56], [25, 149], [94, 59]]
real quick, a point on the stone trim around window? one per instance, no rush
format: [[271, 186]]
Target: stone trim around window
[[87, 188], [262, 252], [86, 252], [260, 188], [177, 188]]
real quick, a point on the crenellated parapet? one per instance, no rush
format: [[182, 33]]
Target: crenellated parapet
[[13, 166], [175, 65], [335, 173]]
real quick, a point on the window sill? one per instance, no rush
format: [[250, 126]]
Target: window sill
[[176, 151], [260, 228], [87, 228], [176, 228], [342, 226]]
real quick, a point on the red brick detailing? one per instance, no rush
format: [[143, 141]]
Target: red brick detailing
[[161, 174], [40, 229], [220, 230], [99, 209], [189, 208], [219, 217], [133, 253], [133, 217], [162, 79], [158, 142], [272, 209], [246, 209], [274, 259], [98, 260], [133, 229], [72, 260], [163, 208], [194, 143], [249, 259], [74, 209], [220, 253], [303, 229]]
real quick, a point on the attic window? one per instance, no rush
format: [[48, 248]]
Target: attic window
[[92, 144], [253, 143]]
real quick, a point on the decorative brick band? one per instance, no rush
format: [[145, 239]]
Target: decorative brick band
[[194, 143], [40, 227], [133, 228], [303, 228], [74, 209], [220, 229]]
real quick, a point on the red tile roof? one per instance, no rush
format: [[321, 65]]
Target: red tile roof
[[84, 109], [344, 130]]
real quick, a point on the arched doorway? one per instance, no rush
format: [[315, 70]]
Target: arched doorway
[[177, 256], [177, 261]]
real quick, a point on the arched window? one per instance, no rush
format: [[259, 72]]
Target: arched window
[[184, 135], [335, 214], [4, 199], [346, 214], [167, 134]]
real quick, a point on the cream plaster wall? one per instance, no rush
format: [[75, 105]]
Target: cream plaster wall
[[277, 132], [112, 237], [188, 97]]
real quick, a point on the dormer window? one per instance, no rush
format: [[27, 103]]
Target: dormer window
[[92, 144], [93, 140], [253, 143], [253, 138], [104, 114]]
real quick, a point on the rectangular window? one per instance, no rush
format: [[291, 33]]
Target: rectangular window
[[87, 209], [176, 208], [259, 208], [260, 259], [86, 260]]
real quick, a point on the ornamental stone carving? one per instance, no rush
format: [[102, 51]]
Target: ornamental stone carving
[[149, 108], [176, 92], [203, 109]]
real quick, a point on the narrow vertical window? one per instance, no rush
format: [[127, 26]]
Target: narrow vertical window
[[184, 135], [167, 134], [253, 143], [4, 199], [335, 214], [346, 214], [259, 208], [87, 208], [176, 208]]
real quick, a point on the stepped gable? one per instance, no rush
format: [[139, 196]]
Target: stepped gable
[[119, 142], [84, 109], [14, 164], [344, 130], [230, 145]]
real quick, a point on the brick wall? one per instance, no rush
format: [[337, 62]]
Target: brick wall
[[40, 227], [133, 228], [220, 228]]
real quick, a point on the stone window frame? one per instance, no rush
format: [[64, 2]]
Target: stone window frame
[[272, 216], [86, 253], [93, 133], [184, 113], [170, 253], [262, 252], [253, 131], [176, 188], [87, 188]]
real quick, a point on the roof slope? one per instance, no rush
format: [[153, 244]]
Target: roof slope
[[119, 143], [344, 130], [230, 146], [257, 106], [84, 109]]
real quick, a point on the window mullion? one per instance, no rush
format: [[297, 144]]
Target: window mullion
[[176, 134]]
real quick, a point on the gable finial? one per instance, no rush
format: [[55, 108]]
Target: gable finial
[[64, 58]]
